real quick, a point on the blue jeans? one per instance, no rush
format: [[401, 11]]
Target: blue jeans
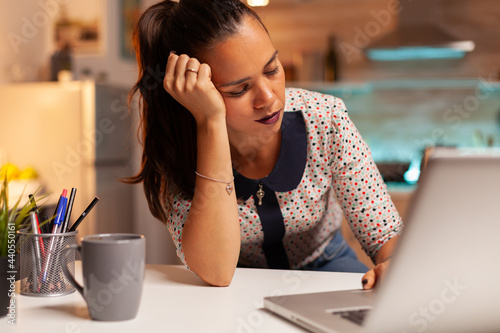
[[337, 257]]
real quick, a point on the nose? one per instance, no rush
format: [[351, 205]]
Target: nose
[[265, 95]]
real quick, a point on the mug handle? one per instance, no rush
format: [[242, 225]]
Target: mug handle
[[65, 270]]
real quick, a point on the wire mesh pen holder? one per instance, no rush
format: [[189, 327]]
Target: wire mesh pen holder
[[41, 272]]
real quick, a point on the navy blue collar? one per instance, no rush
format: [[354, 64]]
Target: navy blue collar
[[289, 169]]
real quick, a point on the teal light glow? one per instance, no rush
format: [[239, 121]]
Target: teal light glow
[[414, 53], [413, 173]]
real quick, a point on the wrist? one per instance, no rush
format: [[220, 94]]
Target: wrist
[[386, 251], [213, 122], [385, 259]]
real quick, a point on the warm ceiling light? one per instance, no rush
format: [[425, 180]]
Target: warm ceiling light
[[258, 3]]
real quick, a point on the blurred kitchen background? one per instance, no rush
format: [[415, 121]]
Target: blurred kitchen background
[[413, 74]]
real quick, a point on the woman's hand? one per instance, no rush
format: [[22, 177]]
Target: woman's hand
[[193, 88], [374, 275], [382, 261]]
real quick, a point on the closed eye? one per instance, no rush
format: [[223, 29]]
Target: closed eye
[[239, 93], [274, 71]]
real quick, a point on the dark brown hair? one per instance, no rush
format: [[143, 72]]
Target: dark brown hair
[[168, 130]]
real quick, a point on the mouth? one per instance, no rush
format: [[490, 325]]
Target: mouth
[[271, 119]]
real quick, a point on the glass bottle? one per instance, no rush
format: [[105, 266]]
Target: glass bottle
[[331, 60]]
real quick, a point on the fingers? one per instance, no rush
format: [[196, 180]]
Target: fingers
[[370, 279], [205, 71], [190, 84], [170, 70], [191, 72], [176, 68], [181, 73], [192, 67]]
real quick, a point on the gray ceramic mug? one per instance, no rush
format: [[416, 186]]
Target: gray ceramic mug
[[113, 274]]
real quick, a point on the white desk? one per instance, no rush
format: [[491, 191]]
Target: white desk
[[176, 300]]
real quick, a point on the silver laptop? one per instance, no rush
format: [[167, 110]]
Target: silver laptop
[[445, 274]]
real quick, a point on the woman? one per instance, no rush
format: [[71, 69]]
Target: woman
[[241, 170]]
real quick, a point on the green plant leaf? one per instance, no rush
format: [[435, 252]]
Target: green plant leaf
[[17, 216], [4, 216]]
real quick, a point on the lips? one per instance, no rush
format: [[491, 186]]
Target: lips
[[271, 119]]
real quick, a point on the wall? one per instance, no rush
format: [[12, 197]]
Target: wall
[[298, 26], [118, 70], [26, 45], [303, 26]]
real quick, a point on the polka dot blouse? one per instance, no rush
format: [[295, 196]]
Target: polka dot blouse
[[324, 171]]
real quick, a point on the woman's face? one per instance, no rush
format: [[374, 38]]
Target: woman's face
[[250, 78]]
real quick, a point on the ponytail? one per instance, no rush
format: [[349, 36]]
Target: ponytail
[[168, 130]]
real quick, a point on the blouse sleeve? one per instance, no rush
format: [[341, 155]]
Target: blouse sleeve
[[361, 191], [176, 217]]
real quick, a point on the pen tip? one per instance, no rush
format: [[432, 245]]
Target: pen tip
[[65, 192]]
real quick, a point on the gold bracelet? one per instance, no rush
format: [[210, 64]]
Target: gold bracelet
[[229, 187]]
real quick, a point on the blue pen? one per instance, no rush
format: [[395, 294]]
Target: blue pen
[[60, 213]]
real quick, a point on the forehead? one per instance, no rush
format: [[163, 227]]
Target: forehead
[[241, 54]]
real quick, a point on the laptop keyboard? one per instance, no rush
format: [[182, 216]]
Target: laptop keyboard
[[355, 316]]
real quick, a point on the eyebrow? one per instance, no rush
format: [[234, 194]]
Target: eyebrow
[[235, 83]]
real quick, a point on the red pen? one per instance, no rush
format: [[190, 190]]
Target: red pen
[[38, 231], [37, 251]]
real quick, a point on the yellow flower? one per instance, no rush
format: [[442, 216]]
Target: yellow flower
[[10, 171], [28, 173]]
